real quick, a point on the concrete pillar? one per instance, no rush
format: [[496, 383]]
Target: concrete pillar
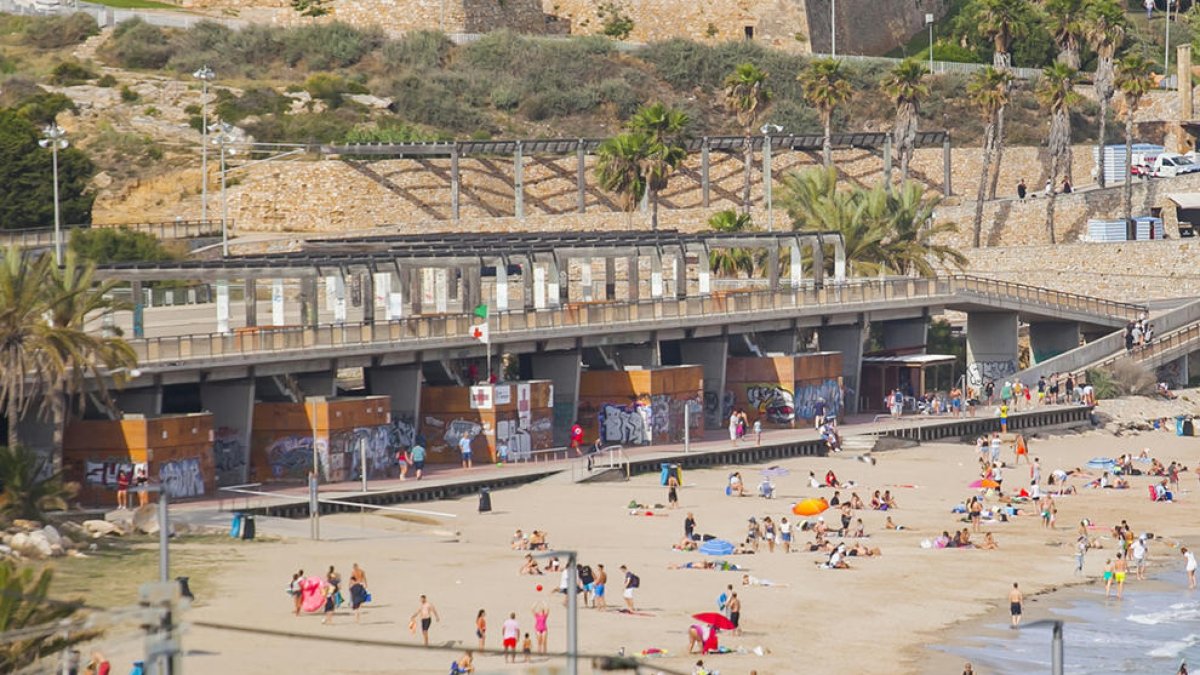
[[585, 280], [610, 278], [947, 188], [309, 303], [539, 284], [335, 297], [501, 302], [139, 309], [1048, 339], [991, 347], [472, 291], [251, 302], [527, 296], [712, 355], [849, 341], [146, 401], [1184, 72], [704, 163], [773, 266], [322, 383], [455, 179], [231, 403], [411, 285], [561, 368], [818, 260], [795, 264], [402, 384], [656, 275], [278, 308], [580, 177], [635, 284], [906, 333], [223, 306], [557, 282], [519, 180], [368, 297], [680, 274]]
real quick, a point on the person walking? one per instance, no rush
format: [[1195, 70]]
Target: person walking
[[541, 614], [672, 491], [1015, 602], [733, 427], [139, 482], [333, 594], [577, 438], [598, 587], [510, 632], [1189, 567], [122, 489], [295, 591], [1120, 569], [1022, 190], [427, 613], [632, 582], [464, 447], [481, 628], [358, 590], [417, 454]]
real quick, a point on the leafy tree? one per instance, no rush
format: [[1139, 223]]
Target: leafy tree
[[747, 96], [825, 88], [1056, 91], [988, 89], [25, 606], [311, 8], [1135, 79], [621, 168], [1105, 28], [906, 215], [730, 262], [27, 196], [1068, 24], [906, 85], [666, 129]]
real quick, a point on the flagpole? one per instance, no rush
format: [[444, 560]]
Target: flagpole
[[487, 345]]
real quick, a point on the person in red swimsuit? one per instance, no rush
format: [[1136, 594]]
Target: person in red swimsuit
[[122, 489]]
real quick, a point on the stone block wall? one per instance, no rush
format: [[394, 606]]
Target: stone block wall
[[868, 26]]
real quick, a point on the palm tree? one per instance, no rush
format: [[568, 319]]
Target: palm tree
[[25, 605], [815, 204], [621, 169], [666, 128], [28, 492], [730, 262], [906, 215], [1105, 31], [1065, 19], [1135, 79], [1003, 21], [22, 361], [746, 96], [825, 88], [988, 90], [1056, 91], [906, 85]]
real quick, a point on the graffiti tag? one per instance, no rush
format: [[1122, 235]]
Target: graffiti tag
[[182, 478]]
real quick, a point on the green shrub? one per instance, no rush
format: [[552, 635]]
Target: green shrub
[[616, 22], [43, 107], [255, 101], [329, 45], [425, 49], [56, 32], [331, 126], [137, 44], [151, 111], [432, 100], [193, 109], [106, 81], [105, 245], [129, 96], [70, 73], [331, 88], [389, 132], [505, 96], [8, 64]]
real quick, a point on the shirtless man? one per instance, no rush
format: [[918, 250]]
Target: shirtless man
[[1015, 600], [426, 612], [598, 585], [735, 613], [1120, 568]]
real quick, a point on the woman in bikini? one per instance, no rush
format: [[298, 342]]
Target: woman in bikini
[[481, 627]]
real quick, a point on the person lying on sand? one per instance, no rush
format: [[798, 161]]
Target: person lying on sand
[[748, 580], [889, 525], [860, 550], [720, 565], [686, 544], [837, 559]]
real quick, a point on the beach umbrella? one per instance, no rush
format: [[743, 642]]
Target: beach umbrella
[[985, 483], [774, 472], [810, 507], [714, 619], [716, 547]]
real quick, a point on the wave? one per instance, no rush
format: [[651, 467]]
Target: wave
[[1173, 648], [1177, 613]]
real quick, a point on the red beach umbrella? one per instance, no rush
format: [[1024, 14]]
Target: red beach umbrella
[[714, 619]]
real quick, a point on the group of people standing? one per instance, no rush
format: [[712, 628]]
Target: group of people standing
[[329, 590]]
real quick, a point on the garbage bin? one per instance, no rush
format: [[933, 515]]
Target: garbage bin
[[235, 528], [665, 473], [248, 527], [485, 500], [185, 590], [1189, 428]]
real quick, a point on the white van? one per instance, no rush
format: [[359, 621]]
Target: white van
[[1170, 164]]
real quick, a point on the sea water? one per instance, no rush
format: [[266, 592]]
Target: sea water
[[1149, 631]]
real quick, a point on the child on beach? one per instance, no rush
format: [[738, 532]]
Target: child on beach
[[526, 647]]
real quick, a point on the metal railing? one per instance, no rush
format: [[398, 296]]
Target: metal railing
[[36, 237], [578, 318], [1160, 348]]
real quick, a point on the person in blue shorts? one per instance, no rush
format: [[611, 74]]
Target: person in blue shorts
[[464, 446]]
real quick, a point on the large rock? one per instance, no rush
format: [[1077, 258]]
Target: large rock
[[33, 545], [100, 528], [145, 519], [52, 535], [27, 525]]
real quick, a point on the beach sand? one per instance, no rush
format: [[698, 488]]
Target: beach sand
[[883, 614]]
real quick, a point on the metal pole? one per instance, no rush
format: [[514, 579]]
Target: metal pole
[[57, 219], [687, 427], [767, 178], [572, 616], [930, 47], [315, 482], [1056, 643], [1167, 48], [224, 205], [164, 527], [204, 151], [833, 28]]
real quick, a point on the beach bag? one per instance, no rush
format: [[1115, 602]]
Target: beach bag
[[634, 581]]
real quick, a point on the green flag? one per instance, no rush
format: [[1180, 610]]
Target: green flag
[[481, 311]]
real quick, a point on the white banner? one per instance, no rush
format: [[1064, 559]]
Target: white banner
[[277, 307], [502, 394], [481, 397], [223, 307], [656, 284], [339, 300], [539, 288], [395, 308], [585, 279], [380, 289], [524, 406]]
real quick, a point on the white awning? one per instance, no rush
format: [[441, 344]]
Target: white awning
[[911, 360], [1186, 200]]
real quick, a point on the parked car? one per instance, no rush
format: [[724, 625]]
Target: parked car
[[1170, 164]]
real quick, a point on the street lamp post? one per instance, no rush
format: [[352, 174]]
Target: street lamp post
[[929, 22], [572, 608], [766, 131], [54, 137], [833, 28], [205, 75], [1167, 48], [223, 137]]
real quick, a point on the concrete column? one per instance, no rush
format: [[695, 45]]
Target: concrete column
[[558, 282], [411, 285], [656, 275], [773, 266], [402, 385], [610, 278], [712, 355], [335, 292], [1184, 72], [309, 303], [580, 177], [905, 333], [455, 179], [139, 309], [680, 274], [146, 401], [635, 284], [223, 306], [232, 406], [539, 283], [472, 291], [818, 249], [585, 280], [704, 163], [561, 368], [501, 302], [795, 264], [527, 277], [1048, 339], [839, 260], [947, 188], [278, 307], [991, 347], [519, 180], [849, 341], [368, 297], [251, 302]]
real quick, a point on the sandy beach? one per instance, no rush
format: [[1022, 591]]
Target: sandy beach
[[885, 612]]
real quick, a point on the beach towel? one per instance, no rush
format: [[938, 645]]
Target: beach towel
[[312, 594]]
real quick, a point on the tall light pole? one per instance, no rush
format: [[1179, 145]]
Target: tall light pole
[[223, 137], [205, 75], [833, 28], [55, 138], [1167, 48], [766, 131], [929, 22]]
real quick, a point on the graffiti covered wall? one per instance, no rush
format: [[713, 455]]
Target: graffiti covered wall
[[521, 417], [344, 429], [784, 390], [979, 372], [642, 407], [229, 456]]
